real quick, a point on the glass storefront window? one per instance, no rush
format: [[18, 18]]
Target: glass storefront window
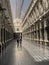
[[47, 22], [47, 28]]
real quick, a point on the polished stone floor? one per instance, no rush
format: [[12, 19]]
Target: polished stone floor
[[38, 51], [18, 55]]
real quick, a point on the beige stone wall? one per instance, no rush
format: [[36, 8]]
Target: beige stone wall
[[6, 21], [35, 22]]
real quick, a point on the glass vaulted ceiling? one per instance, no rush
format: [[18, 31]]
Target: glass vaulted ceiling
[[19, 8]]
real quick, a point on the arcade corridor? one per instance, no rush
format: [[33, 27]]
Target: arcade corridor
[[24, 32]]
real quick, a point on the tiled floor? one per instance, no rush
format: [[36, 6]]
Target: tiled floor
[[14, 55], [38, 52]]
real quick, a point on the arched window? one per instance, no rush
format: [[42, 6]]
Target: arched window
[[17, 29], [45, 4]]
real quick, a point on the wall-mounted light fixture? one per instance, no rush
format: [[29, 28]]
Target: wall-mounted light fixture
[[40, 19], [1, 8], [6, 17]]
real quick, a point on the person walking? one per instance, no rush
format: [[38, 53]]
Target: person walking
[[18, 42], [21, 40]]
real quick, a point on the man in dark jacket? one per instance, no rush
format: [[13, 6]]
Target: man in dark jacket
[[17, 42]]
